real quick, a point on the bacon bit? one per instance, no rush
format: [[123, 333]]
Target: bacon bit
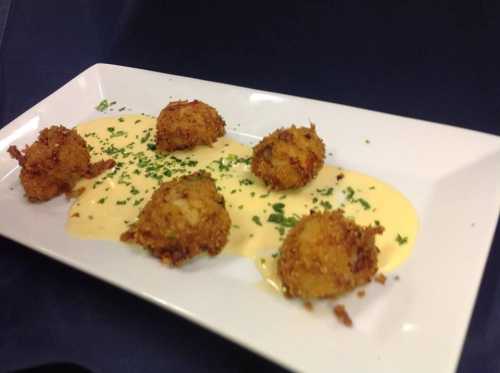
[[361, 293], [340, 176], [342, 315], [308, 305], [75, 193], [380, 278], [76, 215]]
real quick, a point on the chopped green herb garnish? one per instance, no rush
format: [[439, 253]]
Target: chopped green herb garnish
[[151, 146], [350, 193], [363, 203], [278, 207], [146, 138], [377, 223], [282, 220], [401, 240], [280, 229], [134, 190], [325, 191], [102, 106], [102, 200], [138, 201], [326, 204], [246, 182], [256, 220], [123, 202], [118, 134], [121, 119]]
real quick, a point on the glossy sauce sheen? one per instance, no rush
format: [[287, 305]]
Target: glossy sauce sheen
[[113, 200]]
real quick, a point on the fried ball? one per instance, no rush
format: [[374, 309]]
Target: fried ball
[[288, 158], [326, 255], [184, 217], [54, 163], [185, 124]]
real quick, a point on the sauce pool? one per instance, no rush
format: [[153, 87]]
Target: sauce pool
[[112, 201]]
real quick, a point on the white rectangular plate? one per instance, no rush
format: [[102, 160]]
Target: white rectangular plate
[[451, 175]]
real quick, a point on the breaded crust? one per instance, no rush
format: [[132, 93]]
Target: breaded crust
[[289, 158], [327, 254], [185, 124], [54, 163], [184, 217]]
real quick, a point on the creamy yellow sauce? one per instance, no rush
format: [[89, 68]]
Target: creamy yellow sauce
[[112, 201]]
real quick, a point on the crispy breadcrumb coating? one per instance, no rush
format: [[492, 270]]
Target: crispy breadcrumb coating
[[185, 124], [184, 217], [54, 163], [327, 254], [289, 158]]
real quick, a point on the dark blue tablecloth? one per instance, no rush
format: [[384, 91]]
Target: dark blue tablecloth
[[435, 60]]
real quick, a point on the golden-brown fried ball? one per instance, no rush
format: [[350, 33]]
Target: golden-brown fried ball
[[288, 158], [184, 217], [185, 124], [54, 163], [326, 255]]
